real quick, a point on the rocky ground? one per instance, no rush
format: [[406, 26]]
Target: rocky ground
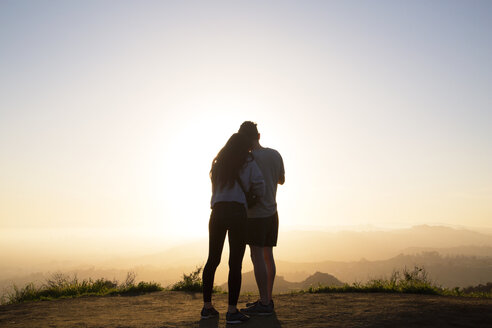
[[179, 309]]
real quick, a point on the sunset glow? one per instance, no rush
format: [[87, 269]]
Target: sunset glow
[[111, 112]]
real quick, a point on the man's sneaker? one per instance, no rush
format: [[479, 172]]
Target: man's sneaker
[[236, 317], [258, 301], [259, 309], [209, 313]]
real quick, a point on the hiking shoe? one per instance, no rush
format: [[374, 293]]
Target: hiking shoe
[[252, 303], [236, 317], [258, 301], [209, 313], [259, 309]]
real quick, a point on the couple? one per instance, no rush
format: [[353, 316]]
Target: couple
[[241, 167]]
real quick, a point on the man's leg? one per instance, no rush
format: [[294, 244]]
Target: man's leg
[[271, 240], [261, 274], [270, 268]]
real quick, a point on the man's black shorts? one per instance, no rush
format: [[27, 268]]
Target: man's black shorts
[[262, 232]]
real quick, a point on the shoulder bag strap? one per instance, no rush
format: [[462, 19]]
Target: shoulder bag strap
[[238, 179]]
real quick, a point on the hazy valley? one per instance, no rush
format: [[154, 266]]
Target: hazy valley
[[452, 257]]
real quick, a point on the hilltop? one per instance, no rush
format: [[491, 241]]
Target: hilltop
[[449, 271], [282, 285], [179, 309]]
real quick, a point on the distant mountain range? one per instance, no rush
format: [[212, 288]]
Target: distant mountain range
[[453, 257], [448, 271], [478, 251], [281, 285], [317, 246]]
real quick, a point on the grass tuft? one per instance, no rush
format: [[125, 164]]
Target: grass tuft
[[63, 286], [413, 281], [192, 282], [59, 285]]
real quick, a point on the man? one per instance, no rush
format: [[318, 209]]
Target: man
[[262, 224]]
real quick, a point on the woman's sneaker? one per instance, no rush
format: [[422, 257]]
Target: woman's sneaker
[[236, 317], [258, 301], [259, 309], [209, 313]]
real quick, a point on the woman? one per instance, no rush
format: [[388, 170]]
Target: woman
[[233, 162]]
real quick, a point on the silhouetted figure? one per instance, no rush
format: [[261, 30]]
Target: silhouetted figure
[[232, 167], [262, 223]]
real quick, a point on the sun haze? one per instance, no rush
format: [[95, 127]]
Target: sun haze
[[111, 113]]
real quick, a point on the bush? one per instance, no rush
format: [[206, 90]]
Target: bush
[[60, 285], [415, 281], [192, 282], [485, 289]]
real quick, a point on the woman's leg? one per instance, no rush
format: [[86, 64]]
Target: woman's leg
[[237, 247], [217, 232]]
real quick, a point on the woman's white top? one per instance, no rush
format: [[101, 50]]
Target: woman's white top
[[251, 178]]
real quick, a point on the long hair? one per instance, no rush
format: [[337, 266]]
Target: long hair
[[229, 161]]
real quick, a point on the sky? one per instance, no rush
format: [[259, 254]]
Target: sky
[[112, 111]]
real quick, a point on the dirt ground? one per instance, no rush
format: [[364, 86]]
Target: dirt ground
[[178, 309]]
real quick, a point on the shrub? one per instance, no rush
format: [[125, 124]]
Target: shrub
[[414, 281], [141, 288], [486, 289], [60, 285], [192, 282]]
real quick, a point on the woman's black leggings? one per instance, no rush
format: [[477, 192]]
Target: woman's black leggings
[[226, 217]]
